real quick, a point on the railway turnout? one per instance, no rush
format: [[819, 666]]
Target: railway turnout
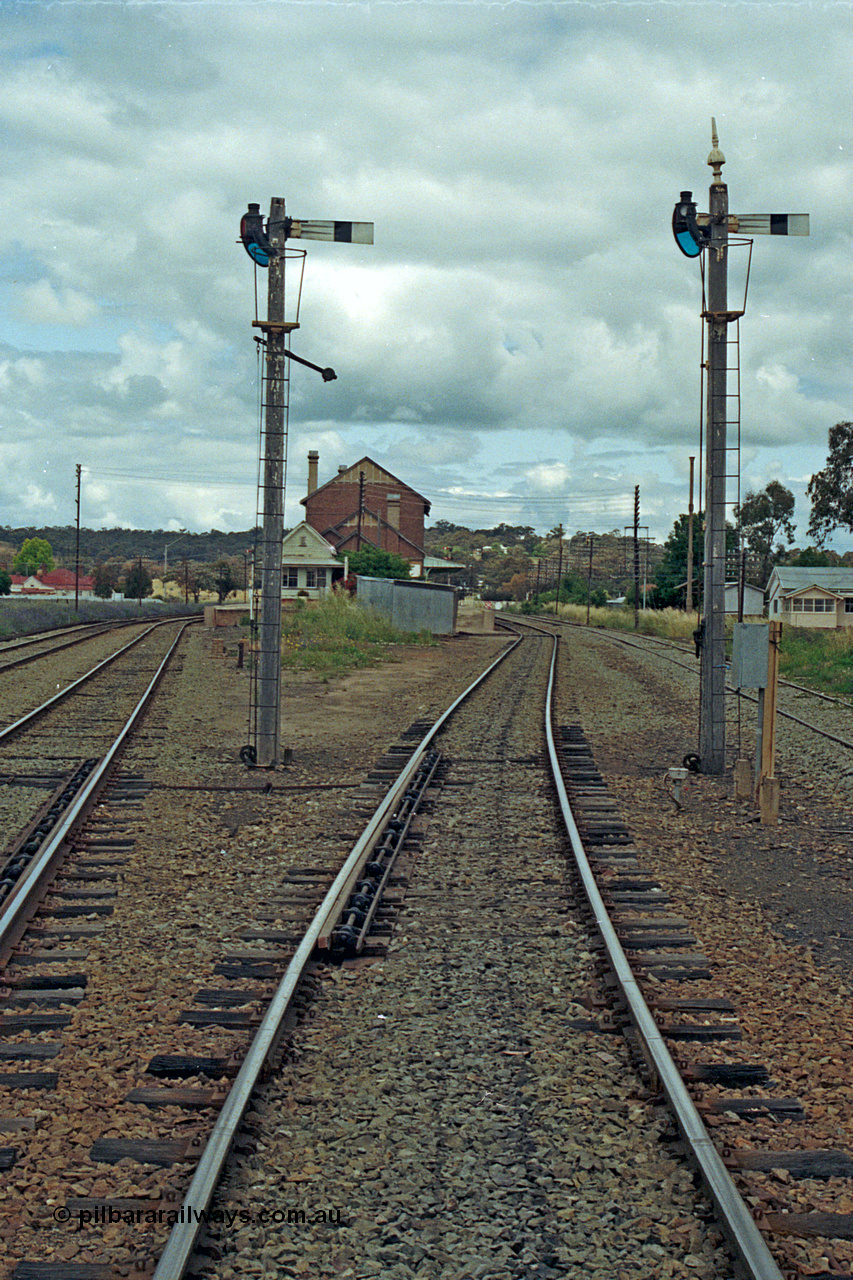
[[445, 1052]]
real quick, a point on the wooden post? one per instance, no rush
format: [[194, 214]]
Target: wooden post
[[360, 510], [689, 597], [590, 537], [768, 787], [77, 547], [636, 557]]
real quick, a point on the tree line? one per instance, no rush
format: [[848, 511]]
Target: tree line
[[510, 562]]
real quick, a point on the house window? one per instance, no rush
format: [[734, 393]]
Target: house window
[[797, 605], [775, 606], [848, 605], [292, 578], [321, 578], [310, 577]]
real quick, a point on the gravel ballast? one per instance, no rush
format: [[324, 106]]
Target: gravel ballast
[[442, 1101], [773, 903]]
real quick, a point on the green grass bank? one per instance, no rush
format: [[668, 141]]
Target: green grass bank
[[337, 636]]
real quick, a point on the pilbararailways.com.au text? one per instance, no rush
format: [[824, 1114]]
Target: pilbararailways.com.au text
[[107, 1215]]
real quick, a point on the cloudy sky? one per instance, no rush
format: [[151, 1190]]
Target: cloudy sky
[[521, 343]]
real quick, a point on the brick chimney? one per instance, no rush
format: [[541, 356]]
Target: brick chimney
[[313, 467]]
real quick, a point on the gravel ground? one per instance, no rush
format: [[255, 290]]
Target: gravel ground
[[440, 1102], [39, 758], [211, 838], [27, 687], [773, 903]]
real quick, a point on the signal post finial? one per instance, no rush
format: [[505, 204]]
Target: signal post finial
[[716, 159]]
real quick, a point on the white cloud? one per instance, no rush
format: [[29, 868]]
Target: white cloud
[[523, 300], [43, 304], [548, 476], [37, 499]]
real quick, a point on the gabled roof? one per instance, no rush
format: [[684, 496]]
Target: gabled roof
[[814, 586], [56, 580], [350, 523], [350, 476], [65, 578], [314, 539], [794, 578]]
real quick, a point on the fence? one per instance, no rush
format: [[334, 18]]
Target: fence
[[411, 606]]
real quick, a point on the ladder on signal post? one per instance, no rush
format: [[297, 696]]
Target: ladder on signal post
[[730, 411]]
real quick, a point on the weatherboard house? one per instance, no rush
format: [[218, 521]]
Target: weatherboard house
[[309, 564], [800, 596]]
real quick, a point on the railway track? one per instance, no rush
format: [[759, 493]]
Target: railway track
[[45, 749], [828, 710], [485, 936], [27, 649]]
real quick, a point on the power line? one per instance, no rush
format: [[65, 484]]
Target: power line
[[206, 481]]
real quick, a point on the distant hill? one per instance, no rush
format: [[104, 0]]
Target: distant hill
[[101, 545]]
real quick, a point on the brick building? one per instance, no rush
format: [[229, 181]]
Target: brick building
[[365, 505]]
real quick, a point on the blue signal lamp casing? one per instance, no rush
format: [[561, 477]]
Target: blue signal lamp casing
[[255, 239], [689, 238], [257, 254]]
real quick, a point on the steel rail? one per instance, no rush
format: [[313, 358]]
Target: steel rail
[[176, 1256], [52, 633], [18, 908], [63, 693], [27, 642], [784, 715], [93, 630], [735, 1219]]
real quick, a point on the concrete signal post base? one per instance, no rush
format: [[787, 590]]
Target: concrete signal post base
[[744, 781], [768, 802]]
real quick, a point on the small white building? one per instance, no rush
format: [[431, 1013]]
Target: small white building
[[813, 598], [753, 600], [309, 564], [56, 584]]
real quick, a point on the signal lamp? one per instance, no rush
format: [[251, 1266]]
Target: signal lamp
[[254, 238], [689, 238]]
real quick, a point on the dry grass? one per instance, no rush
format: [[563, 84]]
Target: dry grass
[[670, 624], [26, 617], [337, 636]]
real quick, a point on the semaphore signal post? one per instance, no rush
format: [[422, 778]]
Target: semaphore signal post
[[695, 233], [266, 246]]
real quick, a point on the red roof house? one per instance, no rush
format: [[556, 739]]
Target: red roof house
[[58, 584]]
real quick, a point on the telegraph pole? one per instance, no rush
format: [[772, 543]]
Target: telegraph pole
[[360, 517], [636, 557], [689, 599], [77, 547], [590, 537]]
